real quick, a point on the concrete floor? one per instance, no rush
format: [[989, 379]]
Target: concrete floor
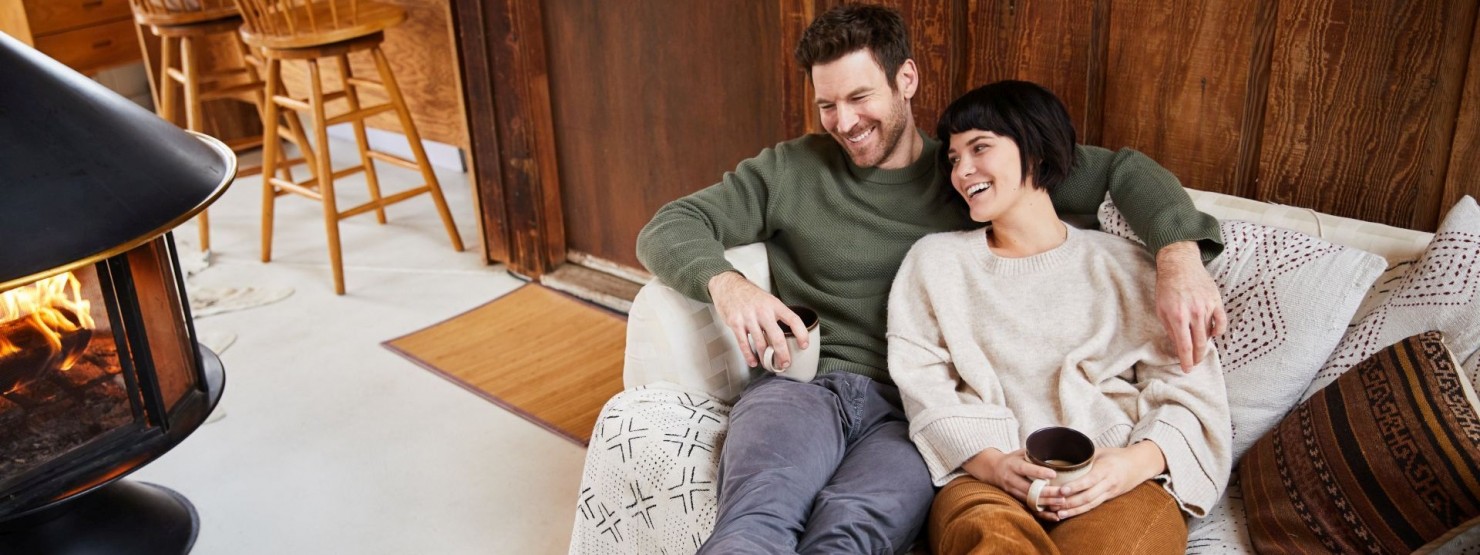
[[332, 444]]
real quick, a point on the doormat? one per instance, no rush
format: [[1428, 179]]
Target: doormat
[[547, 357]]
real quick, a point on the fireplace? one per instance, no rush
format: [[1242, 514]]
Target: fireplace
[[100, 370]]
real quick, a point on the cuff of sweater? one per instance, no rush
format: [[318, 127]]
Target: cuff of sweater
[[1187, 480], [696, 276], [1175, 226], [947, 443]]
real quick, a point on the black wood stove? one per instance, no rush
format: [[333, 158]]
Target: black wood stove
[[100, 371]]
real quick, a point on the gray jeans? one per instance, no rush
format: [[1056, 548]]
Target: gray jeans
[[820, 467]]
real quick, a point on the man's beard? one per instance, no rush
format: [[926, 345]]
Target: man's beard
[[891, 131]]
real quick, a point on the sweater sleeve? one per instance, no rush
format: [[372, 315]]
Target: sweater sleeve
[[1150, 197], [1186, 415], [684, 243], [951, 419]]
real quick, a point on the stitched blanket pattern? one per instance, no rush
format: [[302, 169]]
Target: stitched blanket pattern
[[650, 479]]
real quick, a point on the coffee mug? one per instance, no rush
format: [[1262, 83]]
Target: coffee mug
[[1066, 451], [803, 361]]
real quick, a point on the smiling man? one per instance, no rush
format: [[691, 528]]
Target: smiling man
[[827, 466]]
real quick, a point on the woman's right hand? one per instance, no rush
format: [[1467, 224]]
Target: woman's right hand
[[1012, 473]]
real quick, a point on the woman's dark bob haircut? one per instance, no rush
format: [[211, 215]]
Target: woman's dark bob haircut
[[1025, 112]]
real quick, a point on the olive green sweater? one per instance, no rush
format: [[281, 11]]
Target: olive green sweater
[[835, 233]]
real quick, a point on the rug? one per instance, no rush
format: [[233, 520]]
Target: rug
[[547, 357]]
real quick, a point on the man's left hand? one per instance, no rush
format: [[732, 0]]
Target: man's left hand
[[1188, 302]]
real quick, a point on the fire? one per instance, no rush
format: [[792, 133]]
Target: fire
[[43, 315]]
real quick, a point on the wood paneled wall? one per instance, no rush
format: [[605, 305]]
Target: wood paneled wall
[[653, 99], [1361, 108]]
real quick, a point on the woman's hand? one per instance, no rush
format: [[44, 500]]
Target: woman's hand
[[1012, 473], [1117, 470]]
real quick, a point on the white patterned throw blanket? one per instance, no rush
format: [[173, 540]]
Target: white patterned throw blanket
[[650, 478]]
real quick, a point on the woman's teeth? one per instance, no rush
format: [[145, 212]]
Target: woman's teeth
[[979, 187]]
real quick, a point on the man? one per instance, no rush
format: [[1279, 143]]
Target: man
[[828, 466]]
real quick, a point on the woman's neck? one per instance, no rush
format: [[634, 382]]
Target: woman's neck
[[1031, 226]]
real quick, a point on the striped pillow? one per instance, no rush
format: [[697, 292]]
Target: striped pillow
[[1386, 459]]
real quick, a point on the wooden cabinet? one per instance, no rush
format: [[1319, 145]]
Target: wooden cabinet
[[87, 35]]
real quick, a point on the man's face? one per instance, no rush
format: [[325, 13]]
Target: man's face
[[862, 112]]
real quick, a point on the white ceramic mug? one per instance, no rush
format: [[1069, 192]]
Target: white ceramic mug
[[1069, 453], [803, 361]]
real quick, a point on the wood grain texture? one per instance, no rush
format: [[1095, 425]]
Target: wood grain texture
[[549, 358], [526, 135], [797, 109], [1047, 42], [225, 119], [13, 21], [476, 74], [653, 100], [1464, 158], [1176, 85], [1361, 110], [50, 16], [424, 60], [89, 49]]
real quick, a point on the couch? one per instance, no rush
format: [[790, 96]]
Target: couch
[[649, 482]]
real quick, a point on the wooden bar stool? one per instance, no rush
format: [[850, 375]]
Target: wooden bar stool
[[183, 28], [310, 30]]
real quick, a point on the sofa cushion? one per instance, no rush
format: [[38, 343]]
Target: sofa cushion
[[1385, 460], [1441, 291], [649, 481], [1224, 531], [1289, 297]]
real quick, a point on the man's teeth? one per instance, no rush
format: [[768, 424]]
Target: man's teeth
[[862, 136], [979, 187]]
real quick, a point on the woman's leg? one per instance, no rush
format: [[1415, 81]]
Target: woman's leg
[[970, 516], [1143, 520]]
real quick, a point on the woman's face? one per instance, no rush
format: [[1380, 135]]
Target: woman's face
[[986, 171]]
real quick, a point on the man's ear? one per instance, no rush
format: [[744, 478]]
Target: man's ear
[[907, 78]]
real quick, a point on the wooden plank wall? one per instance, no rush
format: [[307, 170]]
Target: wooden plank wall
[[1365, 109], [653, 99], [1361, 108]]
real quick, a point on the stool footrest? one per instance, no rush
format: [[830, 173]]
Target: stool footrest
[[290, 187], [363, 82], [360, 114], [384, 202], [394, 160]]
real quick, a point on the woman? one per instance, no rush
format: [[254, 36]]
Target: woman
[[1029, 323]]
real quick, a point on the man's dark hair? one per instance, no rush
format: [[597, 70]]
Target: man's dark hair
[[850, 27], [1025, 112]]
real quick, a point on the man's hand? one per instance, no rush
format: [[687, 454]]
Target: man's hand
[[1188, 302], [1116, 471], [1012, 473], [750, 312]]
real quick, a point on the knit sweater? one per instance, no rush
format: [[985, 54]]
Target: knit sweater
[[835, 232], [986, 349]]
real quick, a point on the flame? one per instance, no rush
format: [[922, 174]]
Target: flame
[[41, 305]]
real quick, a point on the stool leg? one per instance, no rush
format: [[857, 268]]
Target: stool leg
[[193, 119], [326, 175], [351, 94], [167, 101], [269, 153], [409, 127]]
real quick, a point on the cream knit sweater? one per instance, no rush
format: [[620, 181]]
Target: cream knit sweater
[[985, 350]]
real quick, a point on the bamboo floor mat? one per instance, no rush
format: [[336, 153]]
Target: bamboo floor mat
[[548, 357]]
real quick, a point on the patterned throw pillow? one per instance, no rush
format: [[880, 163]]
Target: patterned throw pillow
[[1289, 297], [649, 484], [1383, 461], [1441, 292]]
